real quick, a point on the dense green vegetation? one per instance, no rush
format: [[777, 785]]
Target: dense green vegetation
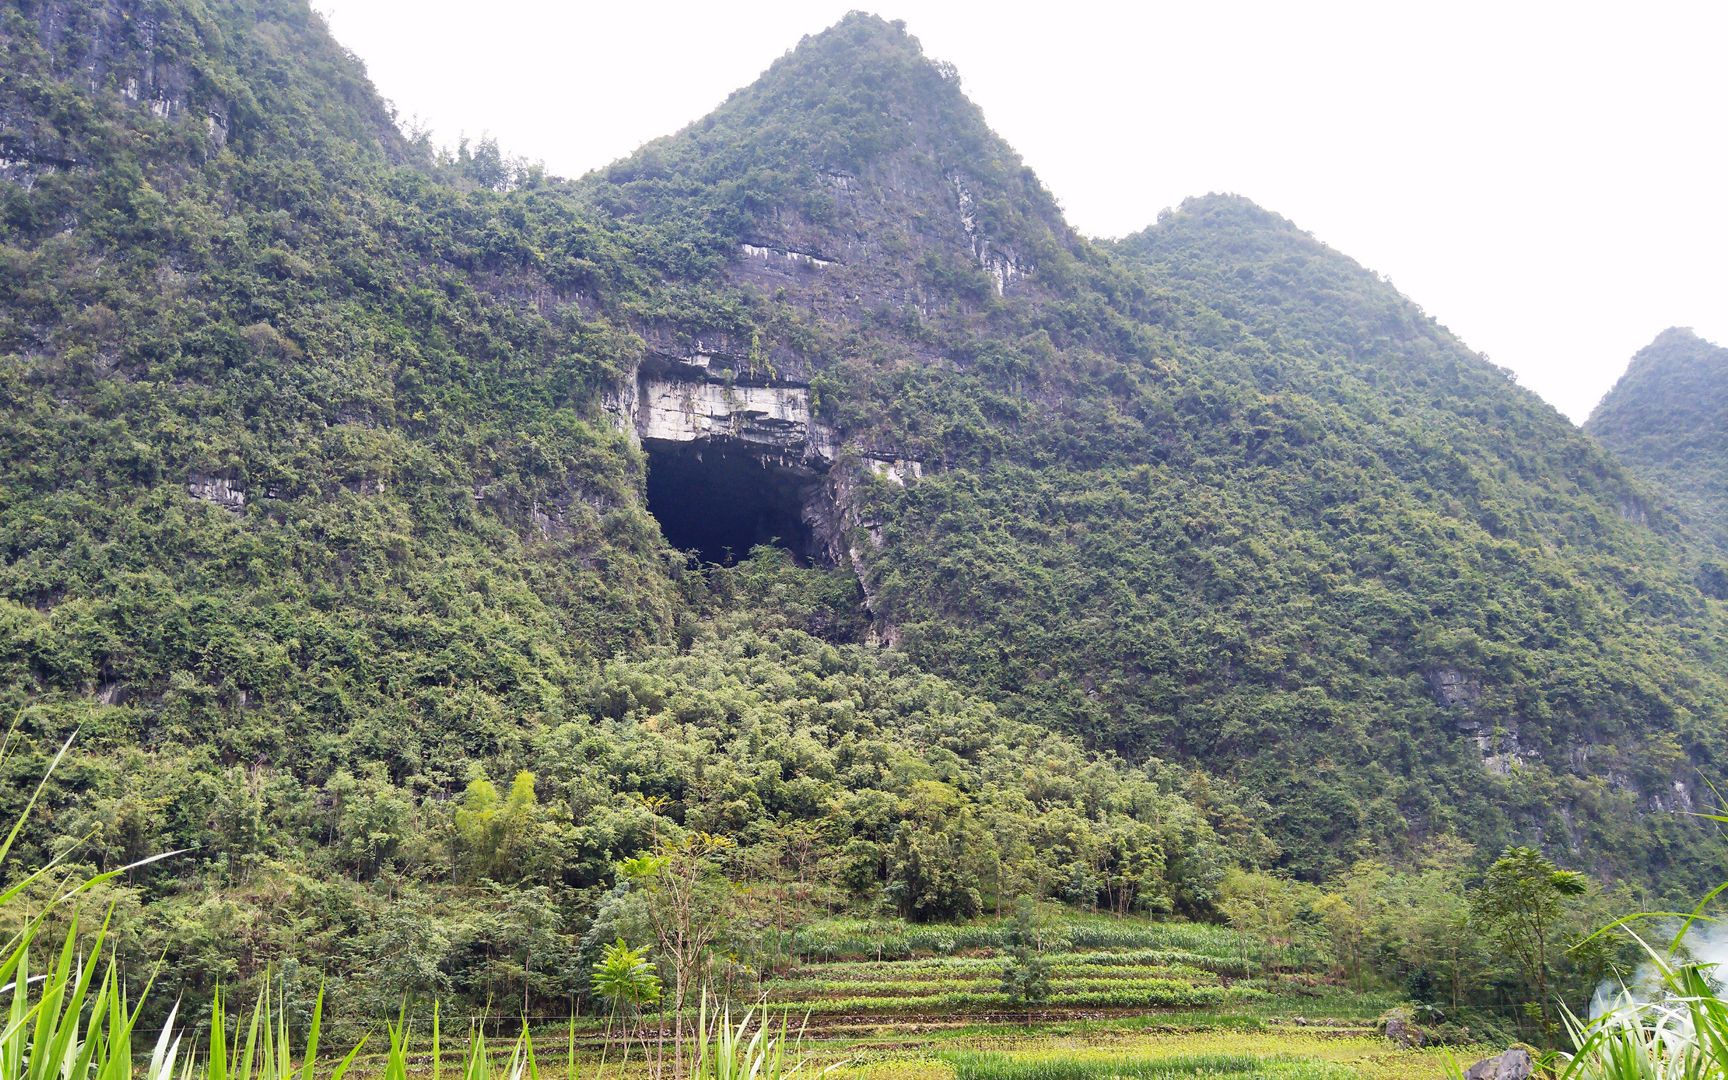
[[836, 776], [1226, 497], [1469, 955], [1226, 569], [76, 1020], [1667, 418]]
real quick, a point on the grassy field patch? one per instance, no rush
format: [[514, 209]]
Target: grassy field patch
[[986, 1066]]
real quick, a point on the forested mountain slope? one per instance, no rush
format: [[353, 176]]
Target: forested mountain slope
[[278, 409], [1667, 418], [1219, 493], [316, 523], [1541, 589], [325, 504]]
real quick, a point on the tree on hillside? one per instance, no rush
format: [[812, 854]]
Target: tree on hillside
[[1519, 904], [1271, 908], [689, 905], [1026, 978], [940, 855], [1350, 912], [510, 838], [1438, 948]]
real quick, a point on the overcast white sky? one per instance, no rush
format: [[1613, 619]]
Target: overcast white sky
[[1550, 180]]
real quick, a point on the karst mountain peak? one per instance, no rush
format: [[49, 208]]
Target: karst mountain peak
[[856, 151], [1667, 417]]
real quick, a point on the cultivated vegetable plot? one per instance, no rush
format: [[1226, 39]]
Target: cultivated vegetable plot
[[862, 968]]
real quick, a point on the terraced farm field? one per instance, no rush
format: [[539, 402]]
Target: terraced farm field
[[857, 971], [1128, 998]]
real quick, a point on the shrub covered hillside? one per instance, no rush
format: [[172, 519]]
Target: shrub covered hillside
[[1667, 418], [1486, 577], [318, 524], [1217, 492], [281, 399]]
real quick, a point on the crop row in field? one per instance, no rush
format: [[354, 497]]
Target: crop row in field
[[842, 939], [1061, 961], [797, 989], [1172, 995]]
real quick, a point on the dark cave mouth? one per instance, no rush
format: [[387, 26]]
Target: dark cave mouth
[[720, 501]]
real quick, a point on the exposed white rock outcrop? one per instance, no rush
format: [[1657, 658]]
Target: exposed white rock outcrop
[[775, 418], [1496, 736], [855, 534], [900, 471], [784, 256], [217, 489], [1453, 688], [1677, 799], [1499, 744], [548, 519], [1002, 266]]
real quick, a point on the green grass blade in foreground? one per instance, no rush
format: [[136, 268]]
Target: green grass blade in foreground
[[1682, 1035], [747, 1050], [347, 1063], [167, 1049], [24, 814], [312, 1030], [570, 1071]]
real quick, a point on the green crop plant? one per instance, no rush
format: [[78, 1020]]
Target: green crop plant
[[748, 1050], [1173, 996]]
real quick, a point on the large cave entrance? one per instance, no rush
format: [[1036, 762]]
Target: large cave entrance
[[721, 501]]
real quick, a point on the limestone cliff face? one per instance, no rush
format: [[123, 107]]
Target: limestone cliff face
[[221, 490], [133, 49], [693, 399], [766, 417], [173, 72], [691, 411]]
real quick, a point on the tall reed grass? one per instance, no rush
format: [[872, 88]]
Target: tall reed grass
[[1679, 1032]]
